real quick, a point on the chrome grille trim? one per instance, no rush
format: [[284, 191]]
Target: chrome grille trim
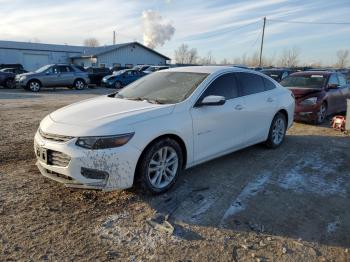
[[54, 137], [56, 158]]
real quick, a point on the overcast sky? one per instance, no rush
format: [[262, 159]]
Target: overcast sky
[[227, 28]]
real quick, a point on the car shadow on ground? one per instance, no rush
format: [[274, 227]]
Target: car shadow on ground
[[299, 190]]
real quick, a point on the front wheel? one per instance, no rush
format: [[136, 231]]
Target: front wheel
[[34, 86], [79, 84], [277, 131], [160, 166], [118, 85], [321, 114]]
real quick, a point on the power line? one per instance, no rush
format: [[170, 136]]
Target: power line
[[305, 22]]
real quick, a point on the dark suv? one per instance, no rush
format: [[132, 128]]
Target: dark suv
[[277, 74], [317, 94], [56, 75]]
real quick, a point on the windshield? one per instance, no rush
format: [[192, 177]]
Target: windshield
[[304, 81], [163, 87], [42, 69], [120, 72]]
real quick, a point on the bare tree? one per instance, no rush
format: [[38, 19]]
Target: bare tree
[[289, 57], [192, 56], [224, 62], [342, 58], [181, 54], [91, 42]]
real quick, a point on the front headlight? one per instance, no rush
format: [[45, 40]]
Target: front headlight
[[309, 101], [103, 142], [22, 78]]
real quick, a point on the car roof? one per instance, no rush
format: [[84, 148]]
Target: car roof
[[207, 69], [308, 73]]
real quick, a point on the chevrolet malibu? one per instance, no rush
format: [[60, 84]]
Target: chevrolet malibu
[[161, 124]]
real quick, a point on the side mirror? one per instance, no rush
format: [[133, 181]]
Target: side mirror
[[212, 101], [333, 86]]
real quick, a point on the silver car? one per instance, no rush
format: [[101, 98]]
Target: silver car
[[55, 75]]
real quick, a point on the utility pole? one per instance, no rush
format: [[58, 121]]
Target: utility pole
[[113, 37], [262, 42]]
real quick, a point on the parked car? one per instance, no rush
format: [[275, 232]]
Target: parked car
[[18, 66], [55, 75], [277, 74], [152, 69], [317, 94], [121, 78], [161, 124], [14, 70], [141, 68], [7, 79], [96, 74]]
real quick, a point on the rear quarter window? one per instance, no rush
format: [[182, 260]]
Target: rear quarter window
[[251, 83], [269, 85]]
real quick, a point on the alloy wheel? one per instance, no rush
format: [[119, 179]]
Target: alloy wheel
[[79, 84], [163, 167], [34, 86], [321, 114], [278, 131]]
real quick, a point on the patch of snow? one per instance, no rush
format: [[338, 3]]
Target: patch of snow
[[310, 175], [250, 190]]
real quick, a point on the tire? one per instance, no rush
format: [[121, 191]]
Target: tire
[[34, 86], [159, 166], [79, 84], [277, 131], [321, 114], [10, 83], [118, 85]]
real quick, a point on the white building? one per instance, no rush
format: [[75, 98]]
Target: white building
[[35, 55]]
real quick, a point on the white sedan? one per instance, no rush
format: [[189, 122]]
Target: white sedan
[[161, 124]]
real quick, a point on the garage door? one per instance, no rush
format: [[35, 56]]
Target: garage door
[[32, 62]]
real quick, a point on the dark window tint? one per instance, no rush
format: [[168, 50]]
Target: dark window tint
[[268, 84], [65, 69], [251, 83], [333, 80], [342, 80], [224, 85]]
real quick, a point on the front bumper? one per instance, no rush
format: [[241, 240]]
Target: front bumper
[[118, 164], [20, 84], [107, 84], [306, 113]]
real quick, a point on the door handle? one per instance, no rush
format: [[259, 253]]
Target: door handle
[[270, 99], [238, 107]]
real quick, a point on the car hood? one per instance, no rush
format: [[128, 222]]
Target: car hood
[[109, 77], [27, 74], [301, 92], [102, 116]]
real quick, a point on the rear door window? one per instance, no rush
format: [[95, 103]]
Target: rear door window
[[225, 85], [342, 80], [251, 83]]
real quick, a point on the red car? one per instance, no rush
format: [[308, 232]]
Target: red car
[[317, 94]]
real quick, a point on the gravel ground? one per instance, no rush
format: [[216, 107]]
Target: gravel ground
[[288, 204]]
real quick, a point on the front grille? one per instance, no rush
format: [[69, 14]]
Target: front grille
[[56, 158], [55, 138], [53, 173]]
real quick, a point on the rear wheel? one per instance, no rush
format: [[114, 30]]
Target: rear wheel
[[34, 86], [79, 84], [277, 131], [160, 166], [321, 114], [10, 83]]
